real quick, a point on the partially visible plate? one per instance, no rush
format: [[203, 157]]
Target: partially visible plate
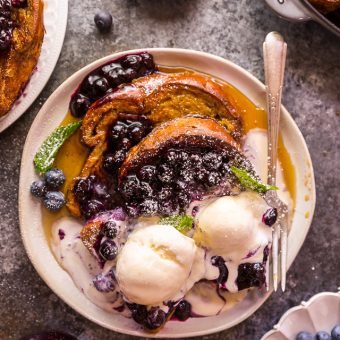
[[320, 313], [55, 22], [30, 211]]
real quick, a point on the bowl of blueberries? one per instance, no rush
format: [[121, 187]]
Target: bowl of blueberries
[[317, 319]]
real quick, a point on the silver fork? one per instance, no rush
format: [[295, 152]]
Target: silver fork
[[274, 52]]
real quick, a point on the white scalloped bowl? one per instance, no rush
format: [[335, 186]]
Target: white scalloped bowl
[[320, 313], [51, 115]]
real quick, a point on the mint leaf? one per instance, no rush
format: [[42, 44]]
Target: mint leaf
[[182, 223], [249, 182], [45, 157]]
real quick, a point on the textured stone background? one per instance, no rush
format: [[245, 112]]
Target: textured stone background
[[233, 29]]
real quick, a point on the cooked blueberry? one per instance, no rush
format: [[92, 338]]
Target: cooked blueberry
[[5, 22], [149, 207], [183, 310], [269, 217], [196, 160], [173, 156], [19, 3], [250, 275], [201, 174], [213, 178], [139, 312], [133, 61], [91, 208], [82, 189], [212, 161], [109, 163], [183, 199], [147, 173], [95, 86], [186, 175], [336, 333], [54, 200], [165, 193], [130, 187], [103, 21], [148, 61], [165, 173], [125, 144], [145, 189], [219, 262], [184, 156], [100, 86], [79, 105], [136, 132], [132, 209], [304, 336], [104, 283], [224, 169], [116, 76], [5, 39], [118, 132], [322, 335], [156, 318], [38, 189], [167, 207], [54, 179], [5, 5], [109, 229], [131, 74], [108, 250], [100, 191]]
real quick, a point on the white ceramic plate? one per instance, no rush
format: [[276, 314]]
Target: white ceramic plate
[[55, 21], [320, 313], [33, 235]]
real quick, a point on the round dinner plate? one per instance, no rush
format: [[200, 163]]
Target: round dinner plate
[[30, 212], [55, 22]]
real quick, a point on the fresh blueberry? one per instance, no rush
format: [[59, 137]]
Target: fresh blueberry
[[103, 21], [54, 200], [38, 189], [183, 310], [132, 61], [270, 217], [19, 3], [109, 229], [54, 179], [147, 173], [304, 336], [108, 250], [322, 335], [336, 333], [79, 105]]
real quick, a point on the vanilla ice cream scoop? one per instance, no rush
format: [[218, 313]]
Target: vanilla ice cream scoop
[[154, 264]]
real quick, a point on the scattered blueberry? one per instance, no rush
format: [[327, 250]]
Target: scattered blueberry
[[155, 319], [5, 39], [54, 179], [183, 310], [304, 336], [103, 21], [108, 250], [54, 200], [104, 283], [38, 189], [109, 229], [270, 217], [322, 335], [336, 333]]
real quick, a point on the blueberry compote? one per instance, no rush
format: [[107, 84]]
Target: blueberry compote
[[95, 194], [174, 178], [108, 77]]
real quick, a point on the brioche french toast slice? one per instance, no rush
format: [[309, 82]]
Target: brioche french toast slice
[[19, 61], [159, 97]]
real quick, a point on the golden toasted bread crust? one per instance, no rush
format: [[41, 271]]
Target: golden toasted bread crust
[[161, 97], [18, 63]]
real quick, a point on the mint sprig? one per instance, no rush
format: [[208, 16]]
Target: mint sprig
[[182, 223], [249, 182], [45, 157]]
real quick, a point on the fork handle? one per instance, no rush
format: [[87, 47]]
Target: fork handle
[[274, 53]]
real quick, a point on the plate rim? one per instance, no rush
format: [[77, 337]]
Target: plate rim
[[85, 70], [57, 45]]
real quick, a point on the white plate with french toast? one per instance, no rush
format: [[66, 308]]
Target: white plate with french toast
[[31, 57], [142, 192]]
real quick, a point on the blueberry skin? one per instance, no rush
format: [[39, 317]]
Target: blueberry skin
[[108, 250], [322, 335], [79, 105], [103, 21], [304, 336], [336, 333], [54, 179], [109, 229], [183, 310], [38, 189], [54, 200]]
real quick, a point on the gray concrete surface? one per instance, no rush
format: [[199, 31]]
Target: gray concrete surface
[[233, 29]]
